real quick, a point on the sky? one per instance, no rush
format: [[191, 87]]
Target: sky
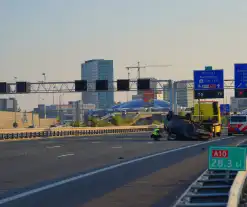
[[56, 36]]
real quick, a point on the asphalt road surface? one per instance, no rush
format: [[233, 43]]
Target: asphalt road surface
[[100, 171]]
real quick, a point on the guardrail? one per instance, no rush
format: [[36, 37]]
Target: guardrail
[[236, 191], [210, 189], [60, 132]]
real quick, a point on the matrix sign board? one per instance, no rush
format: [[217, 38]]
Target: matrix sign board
[[208, 84], [227, 158], [240, 77]]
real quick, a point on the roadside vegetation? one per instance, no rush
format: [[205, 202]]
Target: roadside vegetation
[[116, 120]]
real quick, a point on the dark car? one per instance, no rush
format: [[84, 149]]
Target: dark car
[[182, 128]]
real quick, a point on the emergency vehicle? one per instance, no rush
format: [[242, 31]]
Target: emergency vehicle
[[207, 113], [237, 124]]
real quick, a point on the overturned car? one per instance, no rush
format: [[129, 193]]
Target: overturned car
[[182, 128]]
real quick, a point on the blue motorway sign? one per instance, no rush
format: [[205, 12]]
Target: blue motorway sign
[[208, 79], [224, 108], [240, 75]]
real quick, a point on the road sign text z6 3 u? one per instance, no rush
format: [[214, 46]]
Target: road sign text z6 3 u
[[227, 158]]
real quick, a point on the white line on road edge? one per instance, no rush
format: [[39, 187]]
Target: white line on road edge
[[187, 190], [97, 142], [56, 184], [150, 142], [117, 147], [65, 155], [52, 147], [241, 142]]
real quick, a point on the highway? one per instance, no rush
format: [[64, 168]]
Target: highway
[[122, 170]]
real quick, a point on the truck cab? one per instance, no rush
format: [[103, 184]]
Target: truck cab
[[207, 113]]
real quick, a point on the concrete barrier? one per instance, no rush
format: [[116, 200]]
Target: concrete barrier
[[6, 134], [237, 189]]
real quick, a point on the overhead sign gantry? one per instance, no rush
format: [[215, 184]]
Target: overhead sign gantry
[[82, 86]]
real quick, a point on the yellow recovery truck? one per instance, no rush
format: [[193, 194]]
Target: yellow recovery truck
[[207, 114]]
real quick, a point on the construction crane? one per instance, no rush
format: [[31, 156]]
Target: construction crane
[[138, 67]]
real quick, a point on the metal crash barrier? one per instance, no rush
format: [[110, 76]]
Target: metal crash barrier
[[8, 134], [237, 189]]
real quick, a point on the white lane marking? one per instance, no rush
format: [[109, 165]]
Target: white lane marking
[[65, 155], [188, 189], [117, 147], [96, 142], [84, 138], [65, 181], [150, 142], [241, 142], [52, 147]]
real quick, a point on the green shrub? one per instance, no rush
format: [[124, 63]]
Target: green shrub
[[103, 123], [156, 122], [118, 120]]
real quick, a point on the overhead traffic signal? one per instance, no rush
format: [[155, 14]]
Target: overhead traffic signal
[[240, 93], [3, 88], [80, 85], [143, 84], [101, 85], [23, 87], [123, 85]]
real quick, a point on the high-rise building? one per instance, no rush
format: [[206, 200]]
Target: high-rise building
[[185, 95], [98, 69], [166, 93], [238, 104]]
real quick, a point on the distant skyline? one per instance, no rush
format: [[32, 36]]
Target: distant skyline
[[56, 36]]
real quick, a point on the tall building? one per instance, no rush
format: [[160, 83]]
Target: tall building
[[166, 93], [238, 104], [98, 69], [185, 96]]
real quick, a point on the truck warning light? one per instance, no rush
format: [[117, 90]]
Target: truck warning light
[[220, 153]]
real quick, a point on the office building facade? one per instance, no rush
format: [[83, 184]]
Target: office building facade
[[98, 69], [8, 104], [185, 95], [67, 113]]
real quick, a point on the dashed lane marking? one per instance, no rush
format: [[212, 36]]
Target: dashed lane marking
[[65, 155], [116, 147], [52, 147]]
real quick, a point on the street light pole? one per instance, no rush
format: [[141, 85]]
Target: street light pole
[[61, 111], [15, 104], [53, 96], [44, 77], [43, 98]]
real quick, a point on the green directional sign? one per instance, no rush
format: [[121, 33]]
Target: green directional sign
[[208, 68], [227, 158]]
